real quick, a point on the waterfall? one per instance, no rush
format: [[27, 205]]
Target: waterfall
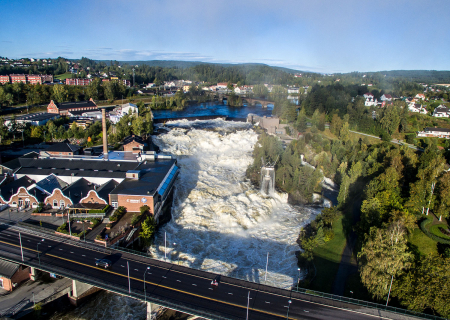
[[267, 180]]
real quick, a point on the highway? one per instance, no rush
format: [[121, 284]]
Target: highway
[[170, 285]]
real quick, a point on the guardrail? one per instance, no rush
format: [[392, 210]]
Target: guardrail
[[367, 304]]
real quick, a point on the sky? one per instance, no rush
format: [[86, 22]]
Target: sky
[[316, 35]]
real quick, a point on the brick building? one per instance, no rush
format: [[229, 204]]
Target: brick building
[[12, 274], [78, 82], [61, 149], [18, 78], [134, 144], [66, 107], [34, 79], [4, 79], [129, 181]]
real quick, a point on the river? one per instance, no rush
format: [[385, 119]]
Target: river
[[220, 222], [213, 109]]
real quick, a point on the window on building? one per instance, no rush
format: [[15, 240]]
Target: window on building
[[55, 203], [61, 203], [114, 204]]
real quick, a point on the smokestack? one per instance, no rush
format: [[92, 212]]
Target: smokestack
[[105, 137]]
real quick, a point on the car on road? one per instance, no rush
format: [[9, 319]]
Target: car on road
[[103, 263]]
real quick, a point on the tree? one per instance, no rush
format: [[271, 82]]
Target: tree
[[148, 228], [390, 119], [383, 257], [60, 93], [344, 134], [427, 286], [336, 125], [301, 121]]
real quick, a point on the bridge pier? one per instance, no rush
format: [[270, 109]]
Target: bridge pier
[[80, 290], [152, 307], [33, 273]]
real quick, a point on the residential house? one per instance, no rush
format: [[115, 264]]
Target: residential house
[[368, 95], [416, 107], [370, 102], [435, 132], [293, 90], [441, 112], [386, 97], [420, 96]]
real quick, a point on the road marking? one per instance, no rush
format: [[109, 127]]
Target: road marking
[[267, 301], [194, 284], [136, 269], [61, 249], [71, 252], [49, 246], [83, 255], [178, 280], [306, 310], [28, 240], [192, 294], [230, 293], [164, 277], [122, 266]]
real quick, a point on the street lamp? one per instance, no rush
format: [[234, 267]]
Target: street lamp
[[145, 285], [287, 315], [351, 293], [298, 277], [37, 249]]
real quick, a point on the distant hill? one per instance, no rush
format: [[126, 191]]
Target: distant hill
[[426, 76], [188, 64]]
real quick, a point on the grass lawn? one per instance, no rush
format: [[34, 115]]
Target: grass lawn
[[327, 259], [63, 76], [424, 244]]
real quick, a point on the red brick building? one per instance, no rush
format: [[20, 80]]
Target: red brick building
[[34, 79], [4, 79], [12, 274], [64, 108], [47, 77], [134, 144], [18, 78], [78, 82]]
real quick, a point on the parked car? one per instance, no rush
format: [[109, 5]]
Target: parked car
[[103, 263]]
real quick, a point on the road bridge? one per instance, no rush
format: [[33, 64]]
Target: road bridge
[[169, 285]]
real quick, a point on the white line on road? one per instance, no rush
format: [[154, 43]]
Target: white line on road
[[267, 301], [122, 266], [71, 252], [230, 293], [60, 249], [306, 310], [178, 280], [164, 277], [210, 288], [136, 269], [49, 246], [194, 284], [83, 255]]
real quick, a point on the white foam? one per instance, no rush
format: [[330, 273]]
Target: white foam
[[220, 223]]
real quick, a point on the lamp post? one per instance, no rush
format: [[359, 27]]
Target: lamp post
[[248, 303], [351, 293], [21, 248], [289, 305], [37, 249], [165, 246], [298, 277], [145, 285]]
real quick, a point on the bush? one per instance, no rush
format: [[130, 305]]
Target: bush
[[99, 211], [144, 209], [136, 219], [423, 226], [62, 228], [410, 138]]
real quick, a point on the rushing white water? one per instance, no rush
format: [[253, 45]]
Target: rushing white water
[[220, 223]]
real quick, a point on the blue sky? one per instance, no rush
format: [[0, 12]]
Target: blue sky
[[314, 35]]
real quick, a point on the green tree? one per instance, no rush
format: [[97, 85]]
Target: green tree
[[148, 228], [344, 134], [336, 125], [427, 286], [301, 121], [60, 93], [383, 257], [390, 119]]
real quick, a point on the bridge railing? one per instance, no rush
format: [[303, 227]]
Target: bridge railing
[[367, 304], [123, 290]]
